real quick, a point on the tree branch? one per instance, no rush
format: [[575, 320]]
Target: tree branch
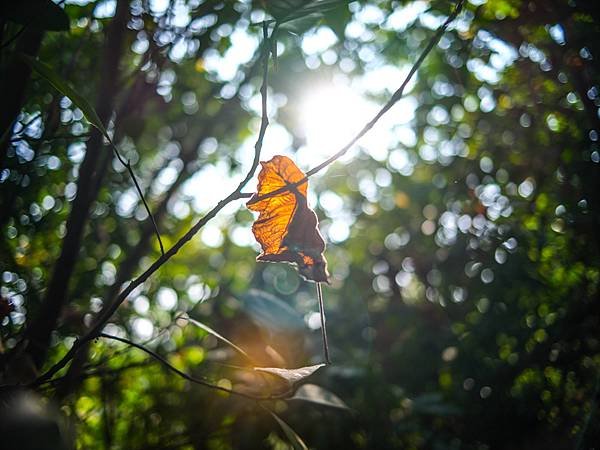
[[91, 172], [13, 81], [391, 102], [13, 38], [107, 314], [127, 165]]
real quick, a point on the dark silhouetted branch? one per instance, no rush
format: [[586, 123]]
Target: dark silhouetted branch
[[109, 311], [13, 81]]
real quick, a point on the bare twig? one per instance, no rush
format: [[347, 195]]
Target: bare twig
[[165, 362], [104, 317], [127, 165], [51, 138], [103, 372]]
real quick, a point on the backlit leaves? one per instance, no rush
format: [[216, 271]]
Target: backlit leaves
[[286, 227]]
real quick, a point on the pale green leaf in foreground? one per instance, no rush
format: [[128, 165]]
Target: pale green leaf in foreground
[[217, 335]]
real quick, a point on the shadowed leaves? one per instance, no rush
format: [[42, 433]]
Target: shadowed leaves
[[292, 436], [37, 15], [316, 394], [292, 376]]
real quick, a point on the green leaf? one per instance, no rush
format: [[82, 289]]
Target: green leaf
[[292, 436], [318, 395], [337, 19], [64, 88], [268, 311], [41, 15], [292, 376], [215, 334]]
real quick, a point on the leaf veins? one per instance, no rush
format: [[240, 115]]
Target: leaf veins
[[286, 227]]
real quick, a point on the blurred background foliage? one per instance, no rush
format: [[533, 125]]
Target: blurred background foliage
[[462, 232]]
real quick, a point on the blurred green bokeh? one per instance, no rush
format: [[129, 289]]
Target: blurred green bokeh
[[463, 231]]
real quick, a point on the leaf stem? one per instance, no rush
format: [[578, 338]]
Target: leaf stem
[[323, 326], [13, 38]]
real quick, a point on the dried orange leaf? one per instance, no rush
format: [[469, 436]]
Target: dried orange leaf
[[286, 227]]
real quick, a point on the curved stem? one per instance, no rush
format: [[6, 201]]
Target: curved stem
[[391, 102], [13, 37]]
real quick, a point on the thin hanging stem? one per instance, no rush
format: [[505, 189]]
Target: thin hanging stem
[[127, 165], [13, 38], [323, 327]]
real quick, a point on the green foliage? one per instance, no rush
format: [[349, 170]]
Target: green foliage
[[462, 233]]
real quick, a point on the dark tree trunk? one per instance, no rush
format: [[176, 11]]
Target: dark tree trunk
[[91, 173]]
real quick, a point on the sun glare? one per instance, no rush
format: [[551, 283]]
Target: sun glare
[[329, 118]]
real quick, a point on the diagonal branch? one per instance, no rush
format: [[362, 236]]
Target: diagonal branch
[[236, 194], [191, 378], [391, 102], [395, 97]]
